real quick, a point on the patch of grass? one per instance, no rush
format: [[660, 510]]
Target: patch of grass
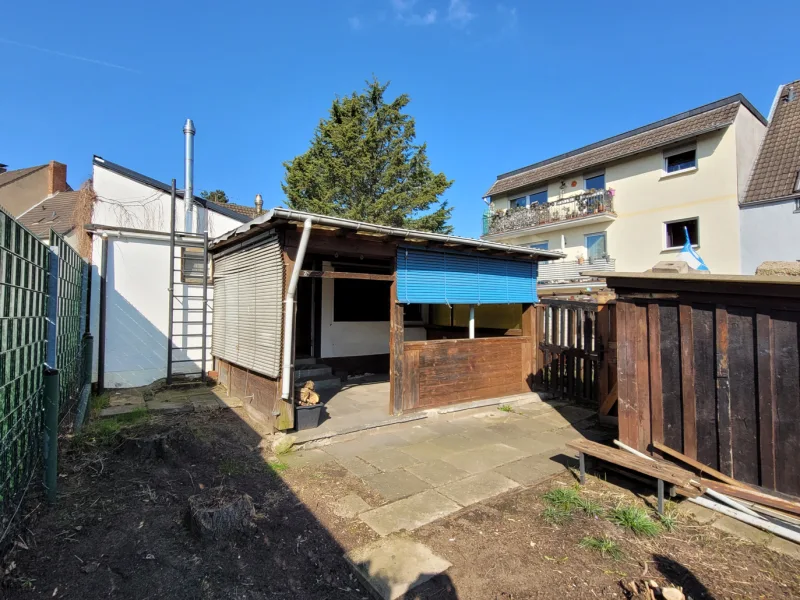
[[104, 432], [505, 408], [591, 508], [604, 545], [669, 520], [98, 403], [635, 519], [564, 498], [277, 466], [557, 516]]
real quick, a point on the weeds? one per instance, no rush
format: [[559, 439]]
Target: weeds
[[557, 516], [604, 545], [563, 502], [669, 521], [505, 408], [634, 518], [591, 508], [277, 466], [98, 403], [563, 498], [104, 432]]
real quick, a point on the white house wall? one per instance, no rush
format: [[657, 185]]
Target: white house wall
[[354, 338], [769, 232], [137, 307]]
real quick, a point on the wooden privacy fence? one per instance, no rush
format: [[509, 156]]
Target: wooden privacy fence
[[708, 365], [573, 342]]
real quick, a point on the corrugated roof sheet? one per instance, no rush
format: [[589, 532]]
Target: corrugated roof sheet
[[776, 169], [53, 213], [704, 119]]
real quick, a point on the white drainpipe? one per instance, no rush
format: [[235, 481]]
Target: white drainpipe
[[288, 324]]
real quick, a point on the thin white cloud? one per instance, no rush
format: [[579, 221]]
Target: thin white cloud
[[355, 23], [404, 12], [459, 13], [93, 61], [508, 17]]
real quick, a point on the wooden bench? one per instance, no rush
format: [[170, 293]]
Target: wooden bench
[[660, 471]]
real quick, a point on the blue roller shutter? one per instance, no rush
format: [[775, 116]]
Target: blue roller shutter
[[441, 277]]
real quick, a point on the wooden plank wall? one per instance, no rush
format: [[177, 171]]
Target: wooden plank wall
[[442, 372], [261, 395], [717, 381]]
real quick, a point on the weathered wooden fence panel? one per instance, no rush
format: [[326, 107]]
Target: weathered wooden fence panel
[[576, 349], [711, 368]]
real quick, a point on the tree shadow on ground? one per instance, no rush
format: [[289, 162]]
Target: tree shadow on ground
[[679, 575]]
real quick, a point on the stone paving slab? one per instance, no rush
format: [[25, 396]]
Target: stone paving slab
[[396, 484], [122, 409], [304, 458], [437, 472], [389, 459], [356, 466], [426, 451], [478, 487], [393, 566], [409, 513], [453, 443], [166, 406], [364, 444], [530, 470], [350, 506], [539, 443], [485, 458]]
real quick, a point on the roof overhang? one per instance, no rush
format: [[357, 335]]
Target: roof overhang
[[278, 216], [757, 285]]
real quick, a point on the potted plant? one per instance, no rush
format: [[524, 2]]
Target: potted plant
[[308, 411]]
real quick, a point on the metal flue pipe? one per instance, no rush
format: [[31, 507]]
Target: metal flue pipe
[[188, 187], [288, 310]]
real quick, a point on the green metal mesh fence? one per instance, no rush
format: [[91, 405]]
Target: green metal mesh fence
[[70, 323], [23, 340]]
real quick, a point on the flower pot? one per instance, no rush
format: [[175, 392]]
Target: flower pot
[[307, 417]]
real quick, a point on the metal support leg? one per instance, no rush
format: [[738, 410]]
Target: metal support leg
[[661, 496], [582, 461]]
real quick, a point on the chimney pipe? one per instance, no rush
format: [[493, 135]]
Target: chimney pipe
[[188, 188], [259, 204]]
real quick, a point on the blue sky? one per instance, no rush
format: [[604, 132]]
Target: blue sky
[[494, 85]]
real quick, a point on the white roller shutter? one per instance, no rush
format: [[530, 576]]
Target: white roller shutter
[[248, 307]]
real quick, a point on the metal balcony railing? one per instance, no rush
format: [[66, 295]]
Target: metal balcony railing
[[560, 271], [575, 207]]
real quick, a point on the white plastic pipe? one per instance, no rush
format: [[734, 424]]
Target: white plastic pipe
[[472, 321], [745, 518], [721, 497], [288, 309]]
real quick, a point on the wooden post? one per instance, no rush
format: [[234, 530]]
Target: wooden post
[[687, 382], [603, 324], [396, 339], [656, 390], [766, 399], [529, 353], [723, 393]]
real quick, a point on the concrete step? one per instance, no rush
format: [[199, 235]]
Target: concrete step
[[305, 361], [312, 372], [330, 383]]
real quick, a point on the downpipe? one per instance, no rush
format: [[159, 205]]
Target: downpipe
[[288, 309]]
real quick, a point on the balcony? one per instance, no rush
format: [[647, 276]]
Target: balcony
[[561, 272], [583, 209]]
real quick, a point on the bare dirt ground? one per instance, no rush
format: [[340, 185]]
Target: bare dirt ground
[[118, 531]]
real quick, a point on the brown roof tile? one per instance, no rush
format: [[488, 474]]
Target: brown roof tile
[[685, 125], [9, 176], [53, 213], [776, 169], [247, 211]]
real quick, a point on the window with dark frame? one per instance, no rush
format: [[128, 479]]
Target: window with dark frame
[[540, 245], [192, 266], [681, 161], [519, 202], [539, 198], [676, 233], [595, 182]]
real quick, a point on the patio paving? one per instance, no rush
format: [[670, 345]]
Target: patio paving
[[427, 469]]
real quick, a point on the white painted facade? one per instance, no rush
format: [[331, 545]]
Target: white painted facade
[[769, 231], [646, 198], [354, 338], [137, 296]]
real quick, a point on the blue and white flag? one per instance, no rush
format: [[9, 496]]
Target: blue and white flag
[[689, 256]]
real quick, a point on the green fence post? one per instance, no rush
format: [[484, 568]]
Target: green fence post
[[88, 346], [51, 432]]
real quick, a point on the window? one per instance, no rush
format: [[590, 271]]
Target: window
[[192, 266], [680, 160], [539, 197], [596, 181], [596, 246], [676, 233], [541, 245], [519, 202]]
